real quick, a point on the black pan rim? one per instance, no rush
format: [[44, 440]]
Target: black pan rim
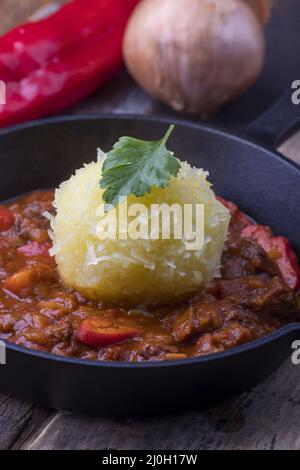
[[234, 135], [281, 332]]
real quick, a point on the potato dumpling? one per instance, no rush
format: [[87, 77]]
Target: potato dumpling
[[131, 272]]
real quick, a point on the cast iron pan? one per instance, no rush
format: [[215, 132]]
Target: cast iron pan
[[263, 183]]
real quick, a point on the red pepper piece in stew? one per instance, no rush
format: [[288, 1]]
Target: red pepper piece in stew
[[99, 332], [6, 219], [35, 249], [25, 279], [279, 250]]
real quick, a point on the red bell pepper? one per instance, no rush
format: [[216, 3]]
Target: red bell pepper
[[50, 64]]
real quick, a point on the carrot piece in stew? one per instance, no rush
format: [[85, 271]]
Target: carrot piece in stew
[[27, 278]]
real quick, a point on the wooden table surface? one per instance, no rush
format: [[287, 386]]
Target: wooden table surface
[[266, 417]]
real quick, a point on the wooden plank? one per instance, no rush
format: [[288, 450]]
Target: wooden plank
[[264, 418], [18, 420]]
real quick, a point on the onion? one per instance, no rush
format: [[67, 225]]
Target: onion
[[195, 55]]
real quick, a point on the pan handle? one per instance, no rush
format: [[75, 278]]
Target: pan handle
[[279, 122]]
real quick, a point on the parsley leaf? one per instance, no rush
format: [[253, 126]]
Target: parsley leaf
[[134, 166]]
